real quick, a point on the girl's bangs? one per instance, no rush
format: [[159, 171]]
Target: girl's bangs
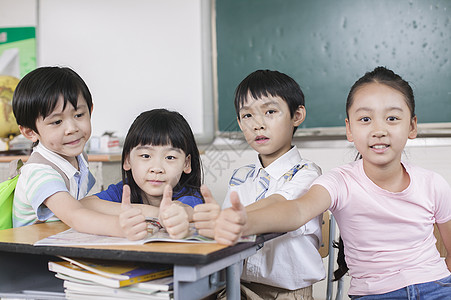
[[161, 134]]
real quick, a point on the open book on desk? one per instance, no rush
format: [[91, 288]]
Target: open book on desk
[[156, 233]]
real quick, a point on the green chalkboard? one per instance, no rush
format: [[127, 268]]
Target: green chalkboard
[[327, 45]]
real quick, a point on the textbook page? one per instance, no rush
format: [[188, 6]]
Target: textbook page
[[156, 233]]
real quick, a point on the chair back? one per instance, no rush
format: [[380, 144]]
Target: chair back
[[328, 230], [324, 247], [440, 245]]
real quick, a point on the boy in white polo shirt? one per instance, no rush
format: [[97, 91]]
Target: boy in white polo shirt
[[270, 107]]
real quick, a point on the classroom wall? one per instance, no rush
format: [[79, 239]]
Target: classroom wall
[[134, 55], [221, 158]]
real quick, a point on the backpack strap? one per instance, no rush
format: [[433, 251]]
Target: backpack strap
[[7, 192], [37, 158]]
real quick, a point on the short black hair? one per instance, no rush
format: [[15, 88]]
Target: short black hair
[[37, 94], [160, 127], [263, 82]]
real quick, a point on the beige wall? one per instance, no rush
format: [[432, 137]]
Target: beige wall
[[221, 158]]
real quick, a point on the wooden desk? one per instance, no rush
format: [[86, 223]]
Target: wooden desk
[[196, 266]]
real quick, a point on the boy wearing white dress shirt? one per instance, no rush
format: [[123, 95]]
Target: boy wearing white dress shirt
[[270, 107]]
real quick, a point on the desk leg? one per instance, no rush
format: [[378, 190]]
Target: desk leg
[[194, 290], [198, 281], [233, 274]]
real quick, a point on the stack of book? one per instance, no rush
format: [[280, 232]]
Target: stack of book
[[99, 279]]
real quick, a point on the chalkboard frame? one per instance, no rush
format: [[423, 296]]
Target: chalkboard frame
[[257, 34]]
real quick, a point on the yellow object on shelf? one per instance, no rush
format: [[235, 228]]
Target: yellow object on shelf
[[8, 126]]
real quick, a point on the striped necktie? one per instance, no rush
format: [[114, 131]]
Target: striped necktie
[[263, 184]]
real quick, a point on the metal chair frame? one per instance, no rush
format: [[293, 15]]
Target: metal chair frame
[[329, 231]]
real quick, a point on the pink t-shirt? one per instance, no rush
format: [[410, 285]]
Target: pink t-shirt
[[388, 237]]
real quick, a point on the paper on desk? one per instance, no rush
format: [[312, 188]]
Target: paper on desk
[[71, 237]]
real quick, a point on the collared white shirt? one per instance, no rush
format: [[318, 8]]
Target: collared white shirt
[[37, 182], [290, 261]]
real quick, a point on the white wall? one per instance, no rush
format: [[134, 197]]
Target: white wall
[[17, 13], [134, 55], [222, 157]]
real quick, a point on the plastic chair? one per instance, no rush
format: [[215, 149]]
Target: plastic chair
[[328, 230]]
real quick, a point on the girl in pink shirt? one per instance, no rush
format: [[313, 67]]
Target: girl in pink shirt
[[385, 208]]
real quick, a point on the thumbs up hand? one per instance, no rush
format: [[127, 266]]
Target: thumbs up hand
[[205, 215], [131, 221], [231, 222], [173, 215]]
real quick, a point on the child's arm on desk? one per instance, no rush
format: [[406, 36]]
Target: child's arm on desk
[[274, 198], [205, 215], [130, 223], [114, 208], [445, 233], [278, 216]]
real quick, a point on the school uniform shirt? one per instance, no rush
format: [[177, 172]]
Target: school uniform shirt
[[37, 182], [388, 237], [114, 193], [291, 261]]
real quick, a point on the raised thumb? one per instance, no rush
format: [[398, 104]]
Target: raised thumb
[[206, 193], [166, 201], [235, 201], [126, 203]]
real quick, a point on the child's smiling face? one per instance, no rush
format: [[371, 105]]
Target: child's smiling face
[[64, 131], [154, 167], [380, 123], [268, 126]]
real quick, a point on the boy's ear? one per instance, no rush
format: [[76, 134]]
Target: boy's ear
[[413, 128], [126, 166], [187, 169], [299, 115], [29, 133], [348, 131], [239, 123]]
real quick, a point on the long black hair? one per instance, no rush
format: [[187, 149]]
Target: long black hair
[[159, 127]]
